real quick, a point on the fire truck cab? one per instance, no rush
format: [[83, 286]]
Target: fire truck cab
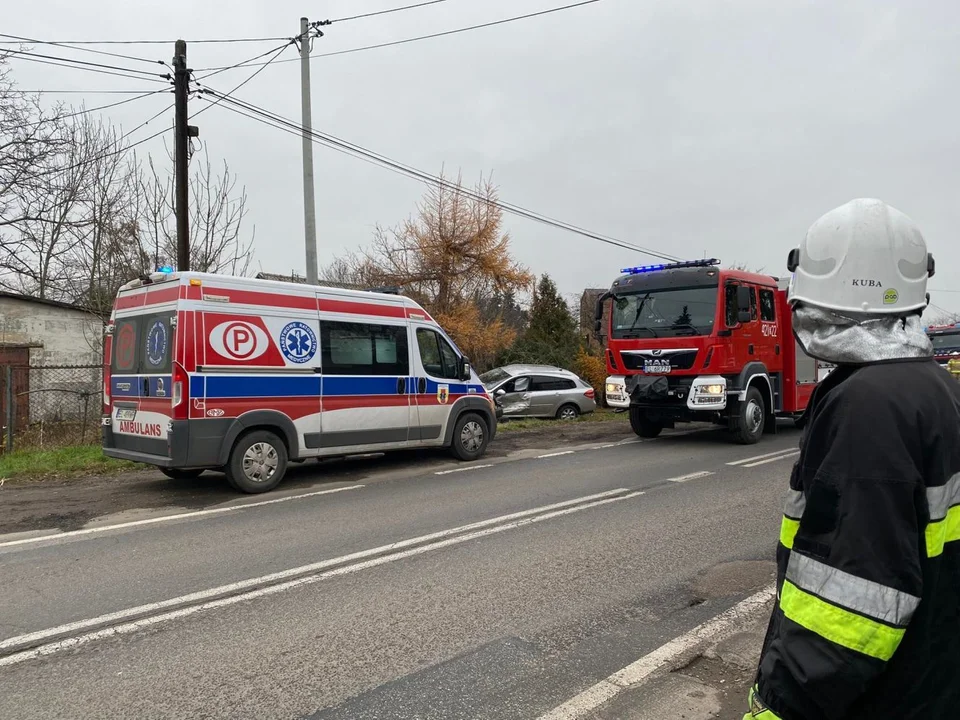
[[946, 342], [692, 342]]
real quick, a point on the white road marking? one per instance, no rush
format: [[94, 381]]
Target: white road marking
[[774, 459], [207, 597], [462, 469], [556, 454], [168, 518], [715, 629], [690, 476], [743, 461]]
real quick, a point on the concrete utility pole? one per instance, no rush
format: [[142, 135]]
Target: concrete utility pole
[[182, 132], [309, 200]]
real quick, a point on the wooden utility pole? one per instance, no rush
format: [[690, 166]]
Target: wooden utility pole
[[182, 132]]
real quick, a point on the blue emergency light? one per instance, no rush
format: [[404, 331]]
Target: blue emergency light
[[166, 269], [670, 266]]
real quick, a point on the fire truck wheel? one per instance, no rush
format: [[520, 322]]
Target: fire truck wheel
[[470, 437], [177, 474], [257, 462], [751, 419], [642, 426]]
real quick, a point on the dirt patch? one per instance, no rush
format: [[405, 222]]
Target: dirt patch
[[68, 504], [733, 578], [731, 684]]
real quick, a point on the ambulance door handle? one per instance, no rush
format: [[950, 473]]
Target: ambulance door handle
[[401, 386], [421, 385], [146, 387]]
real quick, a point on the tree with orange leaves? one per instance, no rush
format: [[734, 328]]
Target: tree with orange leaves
[[452, 254]]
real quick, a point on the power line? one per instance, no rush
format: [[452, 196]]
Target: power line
[[245, 63], [279, 122], [80, 92], [166, 42], [33, 41], [252, 76], [387, 12], [129, 73], [424, 37], [100, 107]]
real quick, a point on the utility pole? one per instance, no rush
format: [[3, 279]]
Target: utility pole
[[309, 200], [182, 132]]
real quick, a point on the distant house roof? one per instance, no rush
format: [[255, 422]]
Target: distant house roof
[[294, 278], [45, 301]]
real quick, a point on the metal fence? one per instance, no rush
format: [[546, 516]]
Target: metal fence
[[50, 406]]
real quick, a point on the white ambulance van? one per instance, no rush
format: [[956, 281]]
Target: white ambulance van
[[244, 376]]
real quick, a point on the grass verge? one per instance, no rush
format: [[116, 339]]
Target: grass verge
[[59, 462], [599, 416]]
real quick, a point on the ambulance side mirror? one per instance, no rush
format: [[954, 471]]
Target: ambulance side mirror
[[466, 371]]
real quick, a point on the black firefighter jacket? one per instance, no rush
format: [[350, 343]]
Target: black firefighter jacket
[[867, 621]]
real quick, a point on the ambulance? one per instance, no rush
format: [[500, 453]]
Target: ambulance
[[211, 372]]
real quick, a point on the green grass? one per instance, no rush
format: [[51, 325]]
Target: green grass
[[59, 462], [535, 423]]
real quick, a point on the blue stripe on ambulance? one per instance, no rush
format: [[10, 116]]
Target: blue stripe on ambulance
[[246, 386]]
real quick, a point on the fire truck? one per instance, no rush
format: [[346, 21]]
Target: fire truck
[[693, 342], [946, 342]]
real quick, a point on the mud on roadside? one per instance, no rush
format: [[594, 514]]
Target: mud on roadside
[[69, 504]]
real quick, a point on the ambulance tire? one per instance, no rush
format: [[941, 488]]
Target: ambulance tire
[[470, 437], [751, 418], [257, 444], [178, 474]]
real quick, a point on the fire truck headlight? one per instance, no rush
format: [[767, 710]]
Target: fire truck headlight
[[711, 389], [614, 388]]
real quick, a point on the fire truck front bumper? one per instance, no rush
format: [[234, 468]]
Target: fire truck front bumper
[[677, 397]]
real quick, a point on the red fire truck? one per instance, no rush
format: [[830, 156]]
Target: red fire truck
[[692, 342], [946, 342]]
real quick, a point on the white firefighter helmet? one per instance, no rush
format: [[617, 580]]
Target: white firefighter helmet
[[862, 257]]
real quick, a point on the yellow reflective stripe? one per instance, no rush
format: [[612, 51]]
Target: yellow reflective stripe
[[941, 532], [838, 625], [758, 709], [788, 531]]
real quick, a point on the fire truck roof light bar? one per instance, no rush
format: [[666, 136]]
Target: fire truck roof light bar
[[670, 266]]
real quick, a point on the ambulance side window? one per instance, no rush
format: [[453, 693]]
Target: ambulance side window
[[364, 349], [438, 358], [126, 340]]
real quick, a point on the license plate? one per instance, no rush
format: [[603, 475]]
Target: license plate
[[126, 413], [657, 368]]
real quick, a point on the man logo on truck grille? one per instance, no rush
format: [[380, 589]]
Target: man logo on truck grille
[[298, 342]]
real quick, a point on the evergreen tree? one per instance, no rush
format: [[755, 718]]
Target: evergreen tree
[[551, 337]]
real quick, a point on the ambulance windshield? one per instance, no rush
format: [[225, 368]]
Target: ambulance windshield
[[668, 312]]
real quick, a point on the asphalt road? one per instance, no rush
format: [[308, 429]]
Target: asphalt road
[[498, 590]]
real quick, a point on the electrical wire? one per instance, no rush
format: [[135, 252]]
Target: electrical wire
[[19, 40], [253, 112], [386, 12], [101, 107], [430, 36], [86, 63], [245, 63], [252, 76], [80, 65]]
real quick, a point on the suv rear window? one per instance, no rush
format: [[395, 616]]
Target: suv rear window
[[142, 345]]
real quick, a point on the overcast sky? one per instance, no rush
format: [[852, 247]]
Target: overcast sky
[[723, 128]]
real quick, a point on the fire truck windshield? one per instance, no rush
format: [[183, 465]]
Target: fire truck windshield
[[667, 312], [945, 341]]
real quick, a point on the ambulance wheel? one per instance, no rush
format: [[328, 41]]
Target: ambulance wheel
[[176, 474], [642, 426], [752, 418], [470, 437], [257, 462]]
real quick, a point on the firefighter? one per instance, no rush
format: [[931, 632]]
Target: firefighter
[[954, 367], [867, 619]]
